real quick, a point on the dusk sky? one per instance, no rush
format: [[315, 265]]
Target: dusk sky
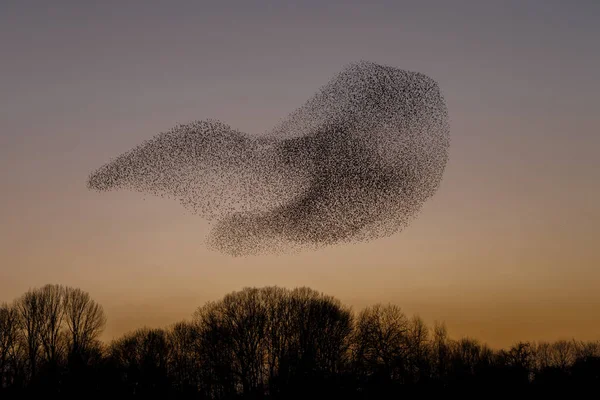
[[508, 249]]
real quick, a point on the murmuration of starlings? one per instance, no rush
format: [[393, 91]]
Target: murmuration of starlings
[[355, 163]]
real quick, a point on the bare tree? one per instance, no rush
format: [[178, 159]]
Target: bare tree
[[51, 321], [141, 358], [586, 349], [418, 349], [562, 354], [466, 355], [381, 340], [9, 336], [233, 331], [440, 351], [219, 377], [322, 328], [521, 356], [85, 320], [185, 356], [30, 309], [543, 355], [279, 336]]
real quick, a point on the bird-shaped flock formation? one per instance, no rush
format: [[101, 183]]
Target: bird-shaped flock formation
[[355, 162]]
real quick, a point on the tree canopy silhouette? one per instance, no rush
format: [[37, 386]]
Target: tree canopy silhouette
[[270, 343]]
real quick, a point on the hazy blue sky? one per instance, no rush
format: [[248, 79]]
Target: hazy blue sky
[[507, 249]]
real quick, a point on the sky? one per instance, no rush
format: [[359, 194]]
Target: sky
[[506, 250]]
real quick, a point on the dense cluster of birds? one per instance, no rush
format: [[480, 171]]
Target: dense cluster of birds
[[356, 162]]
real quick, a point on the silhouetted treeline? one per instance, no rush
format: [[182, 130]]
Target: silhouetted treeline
[[264, 343]]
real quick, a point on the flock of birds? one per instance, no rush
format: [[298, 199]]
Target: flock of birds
[[356, 162]]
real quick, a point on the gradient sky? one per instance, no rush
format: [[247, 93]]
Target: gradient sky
[[508, 249]]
